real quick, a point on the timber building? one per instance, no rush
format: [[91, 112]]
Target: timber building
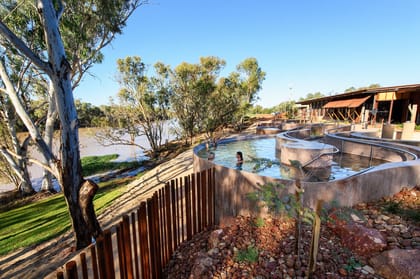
[[382, 104]]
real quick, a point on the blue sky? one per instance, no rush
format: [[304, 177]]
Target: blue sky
[[304, 46]]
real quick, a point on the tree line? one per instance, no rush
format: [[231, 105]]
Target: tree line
[[194, 95]]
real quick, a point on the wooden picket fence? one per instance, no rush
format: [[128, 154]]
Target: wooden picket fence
[[142, 244]]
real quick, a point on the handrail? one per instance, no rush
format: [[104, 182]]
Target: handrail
[[371, 143], [320, 155]]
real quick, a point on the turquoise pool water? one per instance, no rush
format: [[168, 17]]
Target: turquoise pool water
[[260, 157]]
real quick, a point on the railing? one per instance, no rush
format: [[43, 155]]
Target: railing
[[405, 154], [335, 151], [141, 245]]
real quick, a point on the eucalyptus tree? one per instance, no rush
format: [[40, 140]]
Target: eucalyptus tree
[[25, 79], [193, 84], [221, 105], [85, 30], [89, 115], [202, 101], [310, 96], [13, 150], [143, 105], [49, 56], [251, 78], [371, 86], [7, 173]]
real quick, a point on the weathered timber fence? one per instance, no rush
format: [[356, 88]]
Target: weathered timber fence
[[141, 245]]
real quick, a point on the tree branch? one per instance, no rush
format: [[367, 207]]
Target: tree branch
[[20, 110], [60, 10], [23, 48], [9, 153]]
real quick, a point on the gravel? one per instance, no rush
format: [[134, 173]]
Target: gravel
[[273, 240]]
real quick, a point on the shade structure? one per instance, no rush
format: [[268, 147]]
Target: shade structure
[[349, 103]]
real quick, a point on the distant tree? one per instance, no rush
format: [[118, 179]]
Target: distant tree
[[192, 85], [287, 108], [203, 102], [14, 149], [251, 78], [258, 109], [143, 105], [350, 89], [221, 105], [88, 114], [310, 96], [373, 85]]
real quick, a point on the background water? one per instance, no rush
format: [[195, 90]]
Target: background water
[[89, 146]]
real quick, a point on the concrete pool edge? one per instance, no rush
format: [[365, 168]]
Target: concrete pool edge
[[233, 186]]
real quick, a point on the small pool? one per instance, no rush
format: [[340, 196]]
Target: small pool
[[260, 157]]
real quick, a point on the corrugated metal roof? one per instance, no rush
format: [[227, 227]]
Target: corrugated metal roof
[[349, 103], [361, 92]]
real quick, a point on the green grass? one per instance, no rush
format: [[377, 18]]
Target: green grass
[[33, 223], [97, 164], [42, 220], [400, 125], [259, 222], [352, 265], [249, 255]]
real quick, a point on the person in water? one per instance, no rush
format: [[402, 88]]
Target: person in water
[[211, 156], [239, 160]]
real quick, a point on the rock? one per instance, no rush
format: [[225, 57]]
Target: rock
[[201, 265], [290, 262], [396, 230], [214, 238], [369, 269], [406, 235], [406, 242], [363, 241], [342, 272], [291, 272], [213, 252], [384, 217], [397, 263], [355, 218]]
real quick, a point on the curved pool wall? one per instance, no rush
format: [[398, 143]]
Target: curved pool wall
[[233, 186], [292, 146]]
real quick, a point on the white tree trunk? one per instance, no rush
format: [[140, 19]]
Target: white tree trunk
[[47, 184], [18, 165], [67, 165], [70, 169], [23, 114]]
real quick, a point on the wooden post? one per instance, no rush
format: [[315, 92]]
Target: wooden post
[[315, 237], [390, 111]]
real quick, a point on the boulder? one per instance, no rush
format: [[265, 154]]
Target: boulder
[[361, 240], [397, 264], [214, 239], [201, 267]]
